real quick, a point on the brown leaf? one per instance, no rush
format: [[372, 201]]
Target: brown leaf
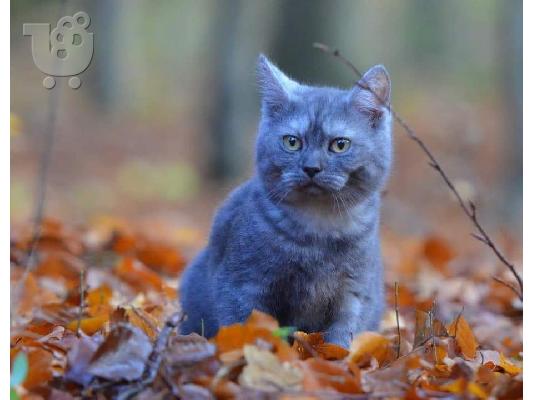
[[123, 354], [98, 300], [79, 356], [40, 369], [89, 325], [316, 343], [367, 345], [234, 337], [322, 375], [161, 257], [438, 252], [137, 275], [188, 350], [461, 331]]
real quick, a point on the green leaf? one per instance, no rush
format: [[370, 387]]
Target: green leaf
[[19, 370], [13, 395], [284, 332]]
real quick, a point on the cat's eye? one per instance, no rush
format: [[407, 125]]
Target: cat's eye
[[292, 143], [340, 145]]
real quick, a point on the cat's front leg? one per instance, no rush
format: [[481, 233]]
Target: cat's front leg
[[357, 313]]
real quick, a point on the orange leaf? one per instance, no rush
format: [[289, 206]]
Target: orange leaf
[[137, 275], [315, 341], [98, 301], [369, 344], [40, 367], [89, 325], [259, 326], [512, 369], [321, 374], [460, 329], [162, 258], [438, 252]]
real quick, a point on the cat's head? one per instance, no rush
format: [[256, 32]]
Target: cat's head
[[321, 145]]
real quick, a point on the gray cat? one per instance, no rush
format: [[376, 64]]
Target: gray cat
[[300, 239]]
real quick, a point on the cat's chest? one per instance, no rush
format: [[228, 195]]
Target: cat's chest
[[305, 296]]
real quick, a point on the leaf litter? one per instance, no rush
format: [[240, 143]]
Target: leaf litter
[[93, 322]]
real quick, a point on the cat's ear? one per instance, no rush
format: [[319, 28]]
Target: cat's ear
[[276, 88], [372, 93]]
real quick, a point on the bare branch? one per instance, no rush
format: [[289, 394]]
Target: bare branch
[[154, 359], [82, 301], [509, 285], [397, 318], [469, 207]]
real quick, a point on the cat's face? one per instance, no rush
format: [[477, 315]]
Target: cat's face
[[323, 146]]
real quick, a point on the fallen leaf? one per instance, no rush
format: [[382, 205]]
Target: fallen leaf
[[438, 252], [315, 341], [188, 350], [265, 372], [79, 357], [367, 345], [461, 331], [508, 366], [122, 355], [98, 300], [137, 275], [320, 375], [39, 367], [89, 325]]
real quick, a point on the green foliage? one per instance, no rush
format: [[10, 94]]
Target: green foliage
[[284, 332]]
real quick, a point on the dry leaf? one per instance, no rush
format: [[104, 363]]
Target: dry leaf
[[367, 345], [461, 331], [322, 375], [265, 372], [438, 252], [122, 355]]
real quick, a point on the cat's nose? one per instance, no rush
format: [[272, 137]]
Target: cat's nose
[[311, 171]]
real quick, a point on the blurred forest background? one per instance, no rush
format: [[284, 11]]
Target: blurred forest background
[[164, 123]]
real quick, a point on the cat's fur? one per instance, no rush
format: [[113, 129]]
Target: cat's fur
[[308, 255]]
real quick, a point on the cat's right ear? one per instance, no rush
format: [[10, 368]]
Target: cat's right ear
[[276, 88]]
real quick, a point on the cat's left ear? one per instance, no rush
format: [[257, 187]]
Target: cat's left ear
[[372, 93]]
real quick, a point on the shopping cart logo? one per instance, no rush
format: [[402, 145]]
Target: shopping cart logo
[[66, 51]]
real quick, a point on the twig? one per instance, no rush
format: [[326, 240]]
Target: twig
[[468, 208], [80, 311], [508, 285], [154, 359], [457, 319], [431, 316], [397, 318], [41, 182]]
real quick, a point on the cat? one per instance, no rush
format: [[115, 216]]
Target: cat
[[300, 240]]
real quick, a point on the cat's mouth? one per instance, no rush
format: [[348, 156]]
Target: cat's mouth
[[312, 188]]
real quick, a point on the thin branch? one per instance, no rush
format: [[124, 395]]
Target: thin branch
[[41, 183], [154, 359], [509, 285], [468, 208], [397, 318], [456, 320], [82, 301]]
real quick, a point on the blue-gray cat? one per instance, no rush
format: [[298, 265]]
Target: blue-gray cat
[[300, 239]]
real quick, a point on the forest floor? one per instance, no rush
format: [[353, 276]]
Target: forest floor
[[94, 315]]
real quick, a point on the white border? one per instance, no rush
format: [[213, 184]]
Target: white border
[[528, 126], [5, 197]]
